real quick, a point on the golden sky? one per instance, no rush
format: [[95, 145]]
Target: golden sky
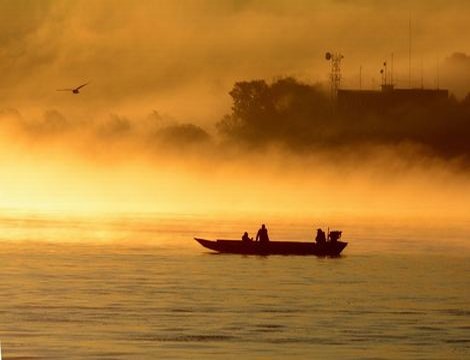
[[181, 59], [144, 55]]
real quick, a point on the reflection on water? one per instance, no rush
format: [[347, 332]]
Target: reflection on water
[[140, 287]]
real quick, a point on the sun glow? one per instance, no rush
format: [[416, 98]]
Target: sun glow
[[58, 180]]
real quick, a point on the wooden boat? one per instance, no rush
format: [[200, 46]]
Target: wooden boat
[[328, 248]]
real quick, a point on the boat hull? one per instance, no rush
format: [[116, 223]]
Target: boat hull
[[273, 247]]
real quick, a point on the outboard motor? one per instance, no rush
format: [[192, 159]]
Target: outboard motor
[[335, 235]]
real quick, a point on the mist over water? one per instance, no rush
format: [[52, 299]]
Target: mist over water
[[121, 166]]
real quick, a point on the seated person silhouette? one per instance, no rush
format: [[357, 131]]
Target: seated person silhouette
[[321, 238], [246, 238], [262, 235]]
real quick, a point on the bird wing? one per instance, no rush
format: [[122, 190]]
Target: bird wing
[[79, 87]]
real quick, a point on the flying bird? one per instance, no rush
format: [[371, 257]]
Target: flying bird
[[74, 90]]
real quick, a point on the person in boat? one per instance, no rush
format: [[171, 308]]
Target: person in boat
[[262, 235], [246, 238], [320, 238]]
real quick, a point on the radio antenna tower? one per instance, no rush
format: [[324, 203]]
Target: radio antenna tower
[[335, 75]]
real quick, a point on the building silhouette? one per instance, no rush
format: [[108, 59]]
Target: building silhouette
[[387, 99]]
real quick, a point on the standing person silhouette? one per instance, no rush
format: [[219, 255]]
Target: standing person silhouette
[[321, 238], [262, 235]]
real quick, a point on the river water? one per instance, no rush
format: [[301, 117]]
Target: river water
[[139, 287]]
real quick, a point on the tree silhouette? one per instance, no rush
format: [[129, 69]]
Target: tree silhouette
[[285, 111], [301, 117]]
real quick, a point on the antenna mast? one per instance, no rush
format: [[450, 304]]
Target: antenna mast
[[422, 73], [335, 75], [360, 77], [409, 52]]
